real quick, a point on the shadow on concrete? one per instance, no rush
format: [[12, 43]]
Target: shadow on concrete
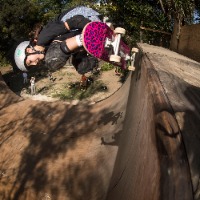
[[136, 144]]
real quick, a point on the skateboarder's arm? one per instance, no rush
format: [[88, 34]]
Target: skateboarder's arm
[[76, 22], [56, 28], [50, 32]]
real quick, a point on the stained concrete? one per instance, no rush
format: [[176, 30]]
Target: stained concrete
[[140, 143]]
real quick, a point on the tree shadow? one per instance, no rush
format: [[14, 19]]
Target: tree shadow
[[111, 139], [183, 119], [111, 116], [191, 135], [55, 158], [14, 79]]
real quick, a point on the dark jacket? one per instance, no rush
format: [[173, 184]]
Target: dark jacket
[[55, 30]]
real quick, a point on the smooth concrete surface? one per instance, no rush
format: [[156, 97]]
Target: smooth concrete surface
[[140, 143]]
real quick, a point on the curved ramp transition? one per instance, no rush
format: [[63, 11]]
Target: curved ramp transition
[[140, 143]]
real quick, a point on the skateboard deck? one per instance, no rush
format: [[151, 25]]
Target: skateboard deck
[[97, 39]]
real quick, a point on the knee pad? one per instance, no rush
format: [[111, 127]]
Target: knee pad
[[64, 48]]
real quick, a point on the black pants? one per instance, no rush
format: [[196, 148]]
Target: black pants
[[55, 58]]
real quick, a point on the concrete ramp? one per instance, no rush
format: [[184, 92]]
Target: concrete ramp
[[140, 143], [7, 97]]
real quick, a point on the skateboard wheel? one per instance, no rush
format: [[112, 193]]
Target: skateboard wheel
[[135, 50], [120, 30], [115, 58], [131, 68]]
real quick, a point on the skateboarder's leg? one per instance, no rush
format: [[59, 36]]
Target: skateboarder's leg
[[83, 81], [83, 62], [55, 58], [117, 71], [71, 44], [76, 22]]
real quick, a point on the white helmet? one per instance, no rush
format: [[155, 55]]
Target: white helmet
[[20, 55]]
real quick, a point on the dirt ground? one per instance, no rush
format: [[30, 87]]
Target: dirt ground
[[66, 79]]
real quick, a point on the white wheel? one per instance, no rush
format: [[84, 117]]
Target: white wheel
[[115, 58], [135, 50], [131, 68], [120, 30]]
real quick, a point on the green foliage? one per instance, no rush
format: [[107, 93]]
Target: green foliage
[[79, 93], [3, 61], [107, 66], [48, 9], [74, 3], [16, 19], [132, 14], [180, 10], [157, 15]]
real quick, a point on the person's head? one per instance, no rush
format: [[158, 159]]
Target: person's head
[[26, 55], [33, 57]]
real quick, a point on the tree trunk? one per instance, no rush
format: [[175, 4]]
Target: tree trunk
[[175, 36]]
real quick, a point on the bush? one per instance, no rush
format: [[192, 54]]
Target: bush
[[107, 66], [79, 93], [3, 61]]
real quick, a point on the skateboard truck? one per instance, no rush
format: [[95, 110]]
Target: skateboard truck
[[109, 42], [115, 42], [119, 32], [112, 44]]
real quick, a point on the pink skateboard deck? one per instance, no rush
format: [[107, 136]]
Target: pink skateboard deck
[[95, 36]]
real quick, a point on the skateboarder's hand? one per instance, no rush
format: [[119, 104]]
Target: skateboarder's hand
[[77, 22]]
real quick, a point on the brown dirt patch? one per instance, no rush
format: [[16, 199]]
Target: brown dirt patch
[[64, 79]]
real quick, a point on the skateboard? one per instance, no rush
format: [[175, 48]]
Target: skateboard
[[104, 42]]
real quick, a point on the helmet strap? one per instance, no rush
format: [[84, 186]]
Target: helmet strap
[[35, 51]]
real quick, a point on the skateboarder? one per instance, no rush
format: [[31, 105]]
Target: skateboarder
[[58, 40]]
